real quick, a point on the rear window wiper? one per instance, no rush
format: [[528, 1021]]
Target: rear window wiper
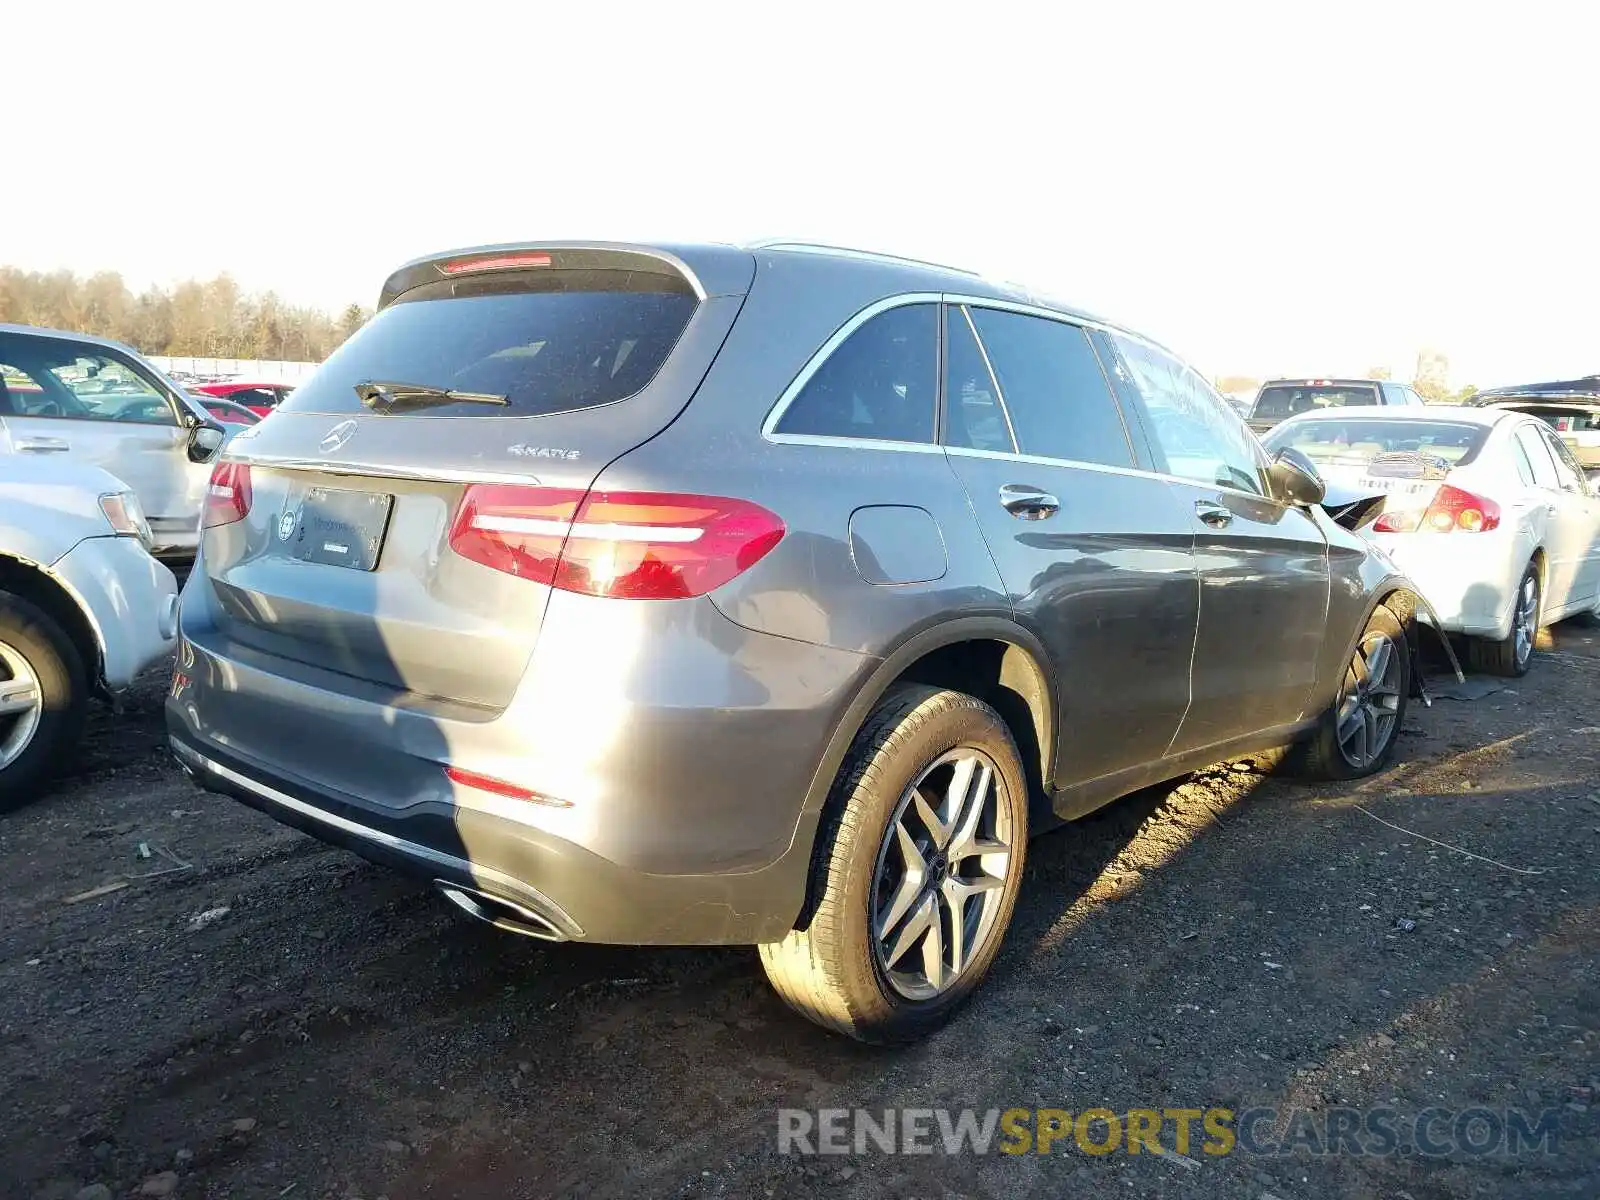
[[383, 396]]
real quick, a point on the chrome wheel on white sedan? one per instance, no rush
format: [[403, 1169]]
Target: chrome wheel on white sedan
[[1513, 654]]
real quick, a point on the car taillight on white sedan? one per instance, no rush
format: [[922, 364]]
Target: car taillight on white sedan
[[227, 495], [1452, 510], [626, 545]]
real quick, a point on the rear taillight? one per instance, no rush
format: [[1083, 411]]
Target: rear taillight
[[628, 545], [1451, 510], [227, 495]]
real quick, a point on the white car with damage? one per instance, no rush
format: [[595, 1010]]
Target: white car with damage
[[1486, 509], [84, 609]]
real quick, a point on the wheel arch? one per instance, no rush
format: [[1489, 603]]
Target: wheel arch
[[990, 657], [35, 584]]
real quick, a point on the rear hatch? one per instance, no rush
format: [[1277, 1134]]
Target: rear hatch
[[335, 531], [1280, 400]]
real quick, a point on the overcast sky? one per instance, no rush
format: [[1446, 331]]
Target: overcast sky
[[1265, 191]]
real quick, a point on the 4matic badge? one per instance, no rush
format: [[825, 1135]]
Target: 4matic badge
[[522, 450]]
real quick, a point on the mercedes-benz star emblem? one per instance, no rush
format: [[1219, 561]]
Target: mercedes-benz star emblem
[[336, 437]]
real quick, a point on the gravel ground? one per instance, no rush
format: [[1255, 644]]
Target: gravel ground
[[282, 1019]]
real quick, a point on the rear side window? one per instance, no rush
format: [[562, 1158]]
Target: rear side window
[[1277, 400], [974, 418], [1053, 389], [1568, 474], [880, 383], [1544, 467], [548, 341]]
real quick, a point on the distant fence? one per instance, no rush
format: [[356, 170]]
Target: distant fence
[[243, 369]]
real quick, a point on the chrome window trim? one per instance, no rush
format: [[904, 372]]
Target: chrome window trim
[[1078, 465], [820, 439], [814, 364]]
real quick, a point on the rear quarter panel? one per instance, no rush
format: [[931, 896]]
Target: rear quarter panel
[[811, 587]]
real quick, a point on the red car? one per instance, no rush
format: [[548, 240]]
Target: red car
[[259, 398], [228, 412]]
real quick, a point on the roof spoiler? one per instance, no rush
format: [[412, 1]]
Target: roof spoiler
[[533, 256]]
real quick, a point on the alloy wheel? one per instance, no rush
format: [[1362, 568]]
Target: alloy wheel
[[1369, 705], [1526, 622], [941, 873], [21, 704]]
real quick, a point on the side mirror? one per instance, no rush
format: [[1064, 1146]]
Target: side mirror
[[204, 442], [1294, 478]]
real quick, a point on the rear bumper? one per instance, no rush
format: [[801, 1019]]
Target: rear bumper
[[1469, 578], [580, 894], [686, 823]]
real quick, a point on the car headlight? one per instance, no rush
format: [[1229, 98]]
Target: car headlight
[[123, 511]]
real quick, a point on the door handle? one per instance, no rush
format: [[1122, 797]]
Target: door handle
[[44, 445], [1213, 514], [1028, 503]]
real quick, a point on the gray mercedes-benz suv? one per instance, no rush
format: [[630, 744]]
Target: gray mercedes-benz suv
[[766, 595]]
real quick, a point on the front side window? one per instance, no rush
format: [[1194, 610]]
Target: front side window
[[1053, 389], [1198, 434], [880, 383], [52, 377]]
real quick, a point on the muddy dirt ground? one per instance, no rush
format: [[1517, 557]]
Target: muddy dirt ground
[[277, 1018]]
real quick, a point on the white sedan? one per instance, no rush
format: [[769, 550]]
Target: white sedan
[[84, 608], [1486, 509]]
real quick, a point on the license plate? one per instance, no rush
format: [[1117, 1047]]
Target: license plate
[[1398, 487], [340, 528]]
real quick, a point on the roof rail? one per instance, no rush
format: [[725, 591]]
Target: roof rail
[[850, 252]]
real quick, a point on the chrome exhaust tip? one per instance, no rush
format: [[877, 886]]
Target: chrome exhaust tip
[[502, 914]]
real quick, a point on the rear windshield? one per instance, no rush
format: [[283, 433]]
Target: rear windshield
[[1357, 442], [549, 341], [1288, 400]]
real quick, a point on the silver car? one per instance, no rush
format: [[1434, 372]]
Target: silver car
[[770, 595], [77, 398]]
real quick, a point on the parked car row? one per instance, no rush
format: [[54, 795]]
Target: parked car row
[[777, 595]]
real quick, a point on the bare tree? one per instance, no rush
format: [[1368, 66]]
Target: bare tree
[[210, 318]]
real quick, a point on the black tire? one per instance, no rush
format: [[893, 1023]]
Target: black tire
[[1325, 756], [1509, 656], [49, 653], [830, 972]]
